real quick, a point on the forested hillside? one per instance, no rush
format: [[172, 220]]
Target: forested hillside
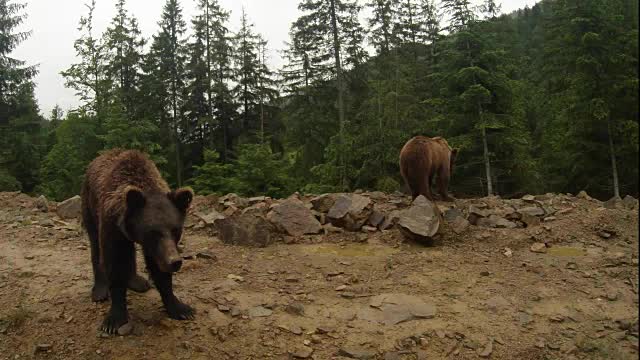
[[541, 100]]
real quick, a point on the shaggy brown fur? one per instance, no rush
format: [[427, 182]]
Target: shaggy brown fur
[[421, 159], [108, 180], [126, 201]]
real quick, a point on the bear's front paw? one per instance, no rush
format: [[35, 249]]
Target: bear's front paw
[[180, 311], [100, 292], [113, 321]]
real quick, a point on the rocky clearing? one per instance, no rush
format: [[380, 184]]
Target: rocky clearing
[[295, 286]]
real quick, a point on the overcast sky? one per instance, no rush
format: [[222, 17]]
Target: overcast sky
[[54, 24]]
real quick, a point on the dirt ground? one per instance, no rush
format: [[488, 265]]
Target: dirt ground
[[493, 297]]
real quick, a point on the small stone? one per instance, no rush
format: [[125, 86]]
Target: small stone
[[368, 228], [529, 198], [235, 311], [295, 309], [583, 195], [485, 273], [341, 287], [316, 339], [205, 255], [507, 252], [125, 329], [356, 352], [42, 348], [557, 318], [292, 279], [302, 352], [612, 296], [487, 350], [223, 308], [571, 266], [259, 311], [539, 248]]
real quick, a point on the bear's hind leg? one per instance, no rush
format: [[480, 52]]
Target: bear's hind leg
[[164, 283], [122, 255], [443, 184]]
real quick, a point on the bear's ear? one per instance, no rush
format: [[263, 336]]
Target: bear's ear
[[181, 198], [134, 198]]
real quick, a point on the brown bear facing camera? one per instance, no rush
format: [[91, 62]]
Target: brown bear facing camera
[[421, 160], [126, 201]]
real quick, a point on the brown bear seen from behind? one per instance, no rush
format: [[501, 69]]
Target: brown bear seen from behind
[[421, 160], [126, 201]]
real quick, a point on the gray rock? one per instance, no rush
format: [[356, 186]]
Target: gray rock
[[476, 213], [487, 350], [497, 303], [245, 230], [256, 199], [42, 203], [378, 195], [357, 352], [391, 309], [614, 203], [294, 218], [324, 202], [350, 211], [530, 220], [390, 220], [529, 198], [376, 219], [538, 248], [630, 202], [301, 352], [209, 218], [459, 225], [260, 311], [421, 221], [532, 211], [42, 348], [495, 221], [583, 195], [125, 329], [452, 214], [70, 208], [234, 200]]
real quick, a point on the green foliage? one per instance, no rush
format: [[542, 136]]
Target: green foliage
[[62, 170], [257, 171], [8, 182]]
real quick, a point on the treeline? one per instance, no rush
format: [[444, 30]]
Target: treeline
[[543, 99]]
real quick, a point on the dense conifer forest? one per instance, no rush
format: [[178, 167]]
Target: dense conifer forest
[[544, 99]]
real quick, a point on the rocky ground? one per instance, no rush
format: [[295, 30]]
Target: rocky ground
[[341, 276]]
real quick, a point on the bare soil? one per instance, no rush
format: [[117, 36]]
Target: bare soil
[[494, 297]]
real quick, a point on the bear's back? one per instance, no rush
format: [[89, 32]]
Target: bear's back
[[111, 172]]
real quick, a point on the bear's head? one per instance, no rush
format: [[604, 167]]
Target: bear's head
[[155, 221]]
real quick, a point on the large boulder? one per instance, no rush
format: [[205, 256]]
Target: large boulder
[[614, 203], [421, 221], [245, 230], [630, 202], [476, 213], [324, 202], [209, 218], [70, 208], [292, 217], [350, 212]]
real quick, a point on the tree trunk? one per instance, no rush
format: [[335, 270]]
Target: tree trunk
[[614, 165], [336, 51], [487, 163], [209, 77]]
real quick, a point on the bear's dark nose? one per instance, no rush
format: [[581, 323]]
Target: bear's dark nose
[[176, 265]]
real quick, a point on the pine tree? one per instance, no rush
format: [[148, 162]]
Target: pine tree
[[170, 55], [21, 140], [87, 77], [381, 24], [247, 65], [123, 44]]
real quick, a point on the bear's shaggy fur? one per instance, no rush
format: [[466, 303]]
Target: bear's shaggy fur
[[421, 159], [126, 201]]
